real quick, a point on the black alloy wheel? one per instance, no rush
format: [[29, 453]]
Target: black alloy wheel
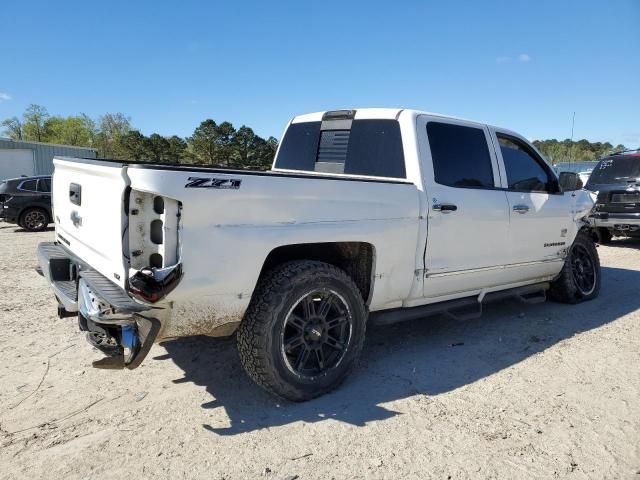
[[303, 330], [34, 220], [317, 333], [583, 270], [579, 280]]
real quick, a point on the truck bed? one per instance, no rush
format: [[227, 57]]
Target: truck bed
[[226, 223]]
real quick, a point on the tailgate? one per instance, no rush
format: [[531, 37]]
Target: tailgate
[[88, 206]]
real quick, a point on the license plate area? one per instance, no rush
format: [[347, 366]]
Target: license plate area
[[625, 197]]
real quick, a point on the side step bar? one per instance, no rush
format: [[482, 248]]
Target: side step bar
[[462, 308]]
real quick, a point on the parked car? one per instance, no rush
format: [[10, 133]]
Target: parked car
[[374, 215], [616, 179], [27, 202]]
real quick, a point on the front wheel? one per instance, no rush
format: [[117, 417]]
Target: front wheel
[[579, 279], [303, 331]]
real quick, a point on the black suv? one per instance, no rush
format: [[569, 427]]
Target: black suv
[[27, 202], [616, 178]]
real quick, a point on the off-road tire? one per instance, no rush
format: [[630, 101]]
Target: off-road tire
[[564, 289], [603, 235], [260, 333], [28, 226]]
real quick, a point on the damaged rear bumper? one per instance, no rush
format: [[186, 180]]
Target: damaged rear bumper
[[122, 328]]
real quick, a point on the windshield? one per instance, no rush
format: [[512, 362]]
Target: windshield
[[616, 170]]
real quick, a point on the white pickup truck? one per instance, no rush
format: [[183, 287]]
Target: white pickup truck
[[367, 215]]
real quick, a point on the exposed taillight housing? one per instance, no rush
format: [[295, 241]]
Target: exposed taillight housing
[[153, 243], [152, 285], [153, 232]]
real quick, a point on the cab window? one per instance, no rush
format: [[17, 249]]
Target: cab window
[[460, 156], [525, 171], [370, 147]]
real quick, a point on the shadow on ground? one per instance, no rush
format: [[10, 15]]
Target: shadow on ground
[[625, 242], [429, 356], [19, 229]]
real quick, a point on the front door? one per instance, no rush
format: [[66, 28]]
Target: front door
[[540, 214], [468, 216]]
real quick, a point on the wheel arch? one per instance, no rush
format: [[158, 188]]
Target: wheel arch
[[357, 259]]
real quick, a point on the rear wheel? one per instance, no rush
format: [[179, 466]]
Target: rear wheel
[[580, 277], [34, 219], [303, 331]]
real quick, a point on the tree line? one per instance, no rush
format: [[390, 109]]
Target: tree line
[[575, 151], [215, 144]]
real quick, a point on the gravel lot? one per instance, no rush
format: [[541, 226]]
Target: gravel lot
[[538, 391]]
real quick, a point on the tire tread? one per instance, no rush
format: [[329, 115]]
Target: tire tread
[[257, 324], [563, 289]]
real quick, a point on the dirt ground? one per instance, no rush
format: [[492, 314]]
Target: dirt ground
[[535, 391]]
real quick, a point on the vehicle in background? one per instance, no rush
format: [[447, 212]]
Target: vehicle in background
[[26, 201], [616, 179]]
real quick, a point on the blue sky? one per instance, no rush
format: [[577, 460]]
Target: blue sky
[[525, 65]]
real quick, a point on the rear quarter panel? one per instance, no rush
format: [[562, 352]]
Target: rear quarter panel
[[227, 233]]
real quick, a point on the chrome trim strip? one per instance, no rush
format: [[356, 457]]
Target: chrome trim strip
[[497, 267]]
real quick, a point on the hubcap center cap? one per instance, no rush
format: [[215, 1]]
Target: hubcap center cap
[[314, 332]]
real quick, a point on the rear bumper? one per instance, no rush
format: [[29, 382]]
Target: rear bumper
[[617, 221], [103, 308], [8, 214]]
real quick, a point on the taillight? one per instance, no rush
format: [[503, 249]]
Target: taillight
[[152, 285]]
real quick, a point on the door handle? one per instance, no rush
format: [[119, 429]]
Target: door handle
[[444, 207], [521, 208], [75, 194]]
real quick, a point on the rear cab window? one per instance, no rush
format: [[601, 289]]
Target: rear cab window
[[363, 147]]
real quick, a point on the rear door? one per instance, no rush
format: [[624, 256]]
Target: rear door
[[540, 214], [468, 216], [88, 209]]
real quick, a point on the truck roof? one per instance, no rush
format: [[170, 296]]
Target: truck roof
[[376, 113]]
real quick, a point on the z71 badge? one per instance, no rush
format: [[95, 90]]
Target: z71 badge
[[199, 182]]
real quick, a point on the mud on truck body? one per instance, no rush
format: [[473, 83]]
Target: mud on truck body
[[367, 215]]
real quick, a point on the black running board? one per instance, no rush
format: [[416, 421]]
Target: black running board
[[462, 308]]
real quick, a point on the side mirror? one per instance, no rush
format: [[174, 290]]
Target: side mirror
[[570, 182]]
